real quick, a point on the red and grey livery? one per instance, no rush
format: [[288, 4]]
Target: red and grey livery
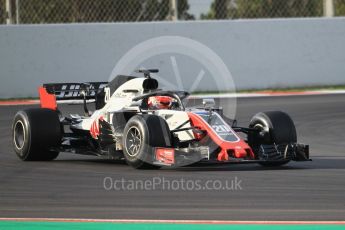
[[129, 124]]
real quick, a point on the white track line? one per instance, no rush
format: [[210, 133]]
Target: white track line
[[176, 221]]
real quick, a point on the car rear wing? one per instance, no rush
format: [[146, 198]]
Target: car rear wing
[[52, 92], [74, 91]]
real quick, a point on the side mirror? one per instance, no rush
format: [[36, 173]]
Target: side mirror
[[208, 103]]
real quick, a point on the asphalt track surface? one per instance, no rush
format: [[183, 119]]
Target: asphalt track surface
[[72, 186]]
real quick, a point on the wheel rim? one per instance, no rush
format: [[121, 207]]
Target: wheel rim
[[133, 141], [259, 127], [19, 135], [264, 132]]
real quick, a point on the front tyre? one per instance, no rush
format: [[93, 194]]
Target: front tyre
[[141, 134], [34, 132], [275, 127]]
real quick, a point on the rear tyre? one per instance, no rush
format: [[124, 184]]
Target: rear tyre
[[275, 127], [34, 132], [141, 134]]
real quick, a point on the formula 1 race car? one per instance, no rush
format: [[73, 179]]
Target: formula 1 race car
[[149, 127]]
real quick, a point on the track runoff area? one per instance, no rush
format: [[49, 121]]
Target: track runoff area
[[88, 224]]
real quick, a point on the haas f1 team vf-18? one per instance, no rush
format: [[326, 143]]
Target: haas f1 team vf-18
[[149, 128]]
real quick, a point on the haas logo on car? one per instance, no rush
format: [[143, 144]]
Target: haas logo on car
[[94, 130], [73, 90]]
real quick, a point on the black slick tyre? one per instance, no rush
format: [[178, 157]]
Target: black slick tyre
[[34, 132], [141, 134], [275, 127]]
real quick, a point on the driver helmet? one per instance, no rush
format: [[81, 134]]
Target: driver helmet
[[160, 102]]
